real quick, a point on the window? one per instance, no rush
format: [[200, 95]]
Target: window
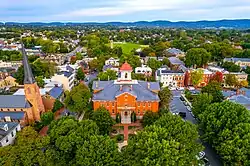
[[14, 109], [7, 140], [149, 104], [139, 104], [16, 130], [8, 109], [113, 104], [138, 111], [12, 134], [113, 111], [21, 109], [144, 104]]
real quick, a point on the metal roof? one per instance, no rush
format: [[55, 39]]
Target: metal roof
[[14, 101], [18, 115], [28, 75], [175, 61], [11, 126], [56, 92]]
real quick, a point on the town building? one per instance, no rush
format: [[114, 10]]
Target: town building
[[125, 96], [240, 76], [144, 69], [66, 78], [24, 108], [207, 75], [8, 132], [175, 63], [112, 61], [170, 78], [242, 62], [173, 52], [59, 59], [241, 96], [8, 82], [110, 67]]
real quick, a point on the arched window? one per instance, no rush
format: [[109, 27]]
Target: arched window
[[126, 75]]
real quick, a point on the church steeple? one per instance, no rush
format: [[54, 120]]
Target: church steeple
[[28, 75]]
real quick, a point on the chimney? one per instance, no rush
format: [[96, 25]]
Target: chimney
[[120, 87], [148, 85], [96, 84]]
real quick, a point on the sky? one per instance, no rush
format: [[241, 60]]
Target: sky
[[122, 10]]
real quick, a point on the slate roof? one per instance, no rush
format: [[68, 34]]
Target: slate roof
[[56, 92], [237, 59], [18, 115], [11, 126], [14, 101], [110, 90], [174, 51], [241, 99], [175, 61], [106, 67], [65, 73]]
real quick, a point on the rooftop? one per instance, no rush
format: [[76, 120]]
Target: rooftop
[[175, 61], [237, 59], [14, 101], [174, 51], [126, 67], [10, 127]]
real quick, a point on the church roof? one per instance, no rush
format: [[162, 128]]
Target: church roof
[[28, 75], [126, 67], [109, 90], [12, 101]]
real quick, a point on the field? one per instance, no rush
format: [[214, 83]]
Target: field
[[128, 47]]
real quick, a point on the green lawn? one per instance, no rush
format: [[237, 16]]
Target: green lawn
[[128, 47]]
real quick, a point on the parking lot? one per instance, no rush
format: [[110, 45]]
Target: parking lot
[[176, 105]]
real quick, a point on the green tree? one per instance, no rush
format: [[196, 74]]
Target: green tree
[[79, 56], [197, 57], [134, 61], [27, 150], [170, 141], [165, 96], [226, 127], [231, 80], [19, 75], [215, 90], [103, 120], [40, 82], [154, 64], [57, 105], [201, 102], [78, 98], [107, 75], [231, 67], [98, 150], [47, 118], [196, 77], [80, 74], [149, 118]]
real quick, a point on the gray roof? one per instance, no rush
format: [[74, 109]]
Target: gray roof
[[237, 59], [174, 51], [241, 99], [18, 115], [28, 75], [11, 126], [110, 90], [175, 61], [13, 101]]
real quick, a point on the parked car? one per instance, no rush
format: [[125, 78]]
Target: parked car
[[180, 88], [175, 113], [183, 114], [192, 114], [182, 98], [201, 155], [172, 88], [191, 88], [189, 109], [205, 162], [185, 103]]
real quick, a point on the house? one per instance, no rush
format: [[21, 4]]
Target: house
[[242, 96], [59, 59], [240, 76], [125, 96], [207, 75], [175, 63], [8, 132], [242, 62], [170, 78], [174, 52], [144, 69], [65, 78], [112, 61], [27, 108], [13, 64], [8, 81]]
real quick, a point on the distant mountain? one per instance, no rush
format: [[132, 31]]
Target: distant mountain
[[235, 24]]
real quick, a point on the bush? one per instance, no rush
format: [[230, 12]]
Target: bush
[[57, 105], [47, 118]]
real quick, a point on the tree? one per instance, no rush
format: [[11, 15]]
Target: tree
[[80, 74], [197, 57], [196, 77], [243, 83], [98, 150], [218, 76], [27, 150], [57, 105], [165, 96], [134, 61], [107, 75], [170, 141], [40, 82], [166, 61], [149, 118], [47, 118], [215, 90], [154, 64], [231, 80], [103, 120], [78, 98], [19, 75], [231, 67], [79, 56], [226, 127], [201, 102]]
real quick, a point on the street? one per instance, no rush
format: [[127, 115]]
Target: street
[[176, 105]]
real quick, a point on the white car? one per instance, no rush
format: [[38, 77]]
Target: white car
[[181, 88], [201, 155], [191, 88], [172, 88], [189, 109]]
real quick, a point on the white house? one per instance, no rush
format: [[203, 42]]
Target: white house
[[169, 78], [143, 70], [65, 78], [113, 62], [8, 131]]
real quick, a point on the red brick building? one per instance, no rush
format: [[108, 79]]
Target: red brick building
[[124, 95]]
